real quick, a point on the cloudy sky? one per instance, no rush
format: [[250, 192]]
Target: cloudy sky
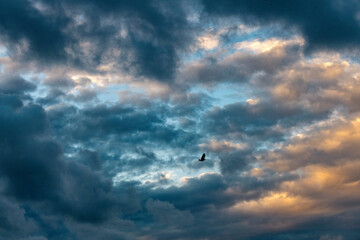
[[106, 106]]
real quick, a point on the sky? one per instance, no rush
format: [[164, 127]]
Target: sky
[[106, 107]]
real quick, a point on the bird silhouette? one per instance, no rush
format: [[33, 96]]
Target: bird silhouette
[[202, 157]]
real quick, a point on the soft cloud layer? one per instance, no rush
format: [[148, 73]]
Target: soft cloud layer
[[106, 106]]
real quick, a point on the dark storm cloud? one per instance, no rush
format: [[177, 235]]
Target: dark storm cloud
[[19, 122], [20, 21], [32, 167], [15, 85], [28, 174], [86, 195], [325, 24], [13, 222], [153, 34], [90, 158]]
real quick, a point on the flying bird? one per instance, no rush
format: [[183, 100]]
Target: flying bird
[[202, 157]]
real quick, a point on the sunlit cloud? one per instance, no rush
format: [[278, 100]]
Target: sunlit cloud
[[258, 46]]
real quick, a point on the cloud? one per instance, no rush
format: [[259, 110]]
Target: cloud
[[332, 25], [332, 143], [146, 42], [32, 167], [167, 213], [15, 85], [196, 193], [105, 107], [240, 66], [325, 163], [39, 36], [252, 120], [13, 223]]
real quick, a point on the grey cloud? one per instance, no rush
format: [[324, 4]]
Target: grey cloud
[[196, 194], [60, 82], [20, 21], [149, 35], [324, 24], [84, 95], [168, 214], [119, 122], [15, 85], [255, 120], [53, 97], [240, 66], [235, 161], [13, 222], [32, 167]]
